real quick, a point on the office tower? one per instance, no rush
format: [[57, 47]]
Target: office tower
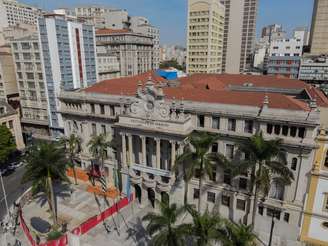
[[13, 13], [134, 51], [239, 34], [68, 58], [31, 84], [268, 30], [319, 28], [205, 36]]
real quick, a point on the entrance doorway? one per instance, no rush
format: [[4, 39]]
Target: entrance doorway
[[151, 196], [138, 192]]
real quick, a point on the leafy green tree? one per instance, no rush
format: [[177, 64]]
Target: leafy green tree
[[267, 161], [171, 63], [197, 158], [164, 226], [207, 228], [45, 163], [7, 144], [239, 234], [72, 145]]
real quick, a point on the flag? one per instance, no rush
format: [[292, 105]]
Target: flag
[[128, 188], [103, 183]]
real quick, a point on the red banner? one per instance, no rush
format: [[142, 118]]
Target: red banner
[[80, 230], [94, 221], [25, 229]]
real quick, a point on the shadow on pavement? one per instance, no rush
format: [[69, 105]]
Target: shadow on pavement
[[40, 225]]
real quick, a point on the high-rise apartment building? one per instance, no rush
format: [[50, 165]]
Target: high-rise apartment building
[[13, 13], [31, 84], [319, 28], [140, 24], [134, 51], [239, 34], [68, 57], [205, 36]]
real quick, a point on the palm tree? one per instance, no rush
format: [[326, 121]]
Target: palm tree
[[164, 226], [207, 228], [46, 162], [72, 145], [267, 161], [239, 234], [98, 146], [197, 158], [183, 164]]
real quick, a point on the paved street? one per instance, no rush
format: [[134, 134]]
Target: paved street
[[13, 188]]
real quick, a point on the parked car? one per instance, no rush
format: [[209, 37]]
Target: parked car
[[14, 165], [3, 171]]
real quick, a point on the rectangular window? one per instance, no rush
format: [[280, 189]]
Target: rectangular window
[[103, 129], [226, 200], [269, 128], [196, 193], [241, 204], [216, 123], [227, 177], [286, 217], [248, 126], [277, 129], [229, 151], [93, 110], [94, 129], [285, 130], [293, 130], [112, 110], [273, 213], [243, 183], [11, 125], [102, 109], [232, 125], [215, 148], [200, 120], [301, 132], [211, 197], [260, 210]]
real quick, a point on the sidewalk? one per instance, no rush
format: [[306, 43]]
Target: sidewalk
[[131, 229]]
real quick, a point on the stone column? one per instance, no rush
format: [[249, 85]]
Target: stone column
[[143, 150], [123, 150], [130, 149], [172, 154], [158, 153], [180, 150]]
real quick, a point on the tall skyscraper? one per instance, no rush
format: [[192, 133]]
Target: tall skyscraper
[[205, 36], [239, 34], [319, 28], [68, 54]]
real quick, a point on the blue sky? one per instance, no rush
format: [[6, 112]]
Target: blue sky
[[170, 15]]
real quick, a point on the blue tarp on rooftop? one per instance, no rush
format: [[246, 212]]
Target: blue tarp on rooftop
[[169, 75]]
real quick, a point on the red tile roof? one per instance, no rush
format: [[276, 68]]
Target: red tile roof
[[214, 88], [105, 31]]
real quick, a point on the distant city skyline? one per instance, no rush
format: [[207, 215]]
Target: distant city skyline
[[170, 15]]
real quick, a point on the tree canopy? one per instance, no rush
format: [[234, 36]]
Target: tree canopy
[[7, 144], [171, 63]]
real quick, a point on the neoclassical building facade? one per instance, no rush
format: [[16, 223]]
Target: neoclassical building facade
[[150, 118]]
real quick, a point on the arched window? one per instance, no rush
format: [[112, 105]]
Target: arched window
[[326, 160], [294, 164], [277, 190]]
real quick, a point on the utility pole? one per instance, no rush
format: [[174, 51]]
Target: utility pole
[[6, 204], [272, 226]]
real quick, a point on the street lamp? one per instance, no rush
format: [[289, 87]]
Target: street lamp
[[274, 214]]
